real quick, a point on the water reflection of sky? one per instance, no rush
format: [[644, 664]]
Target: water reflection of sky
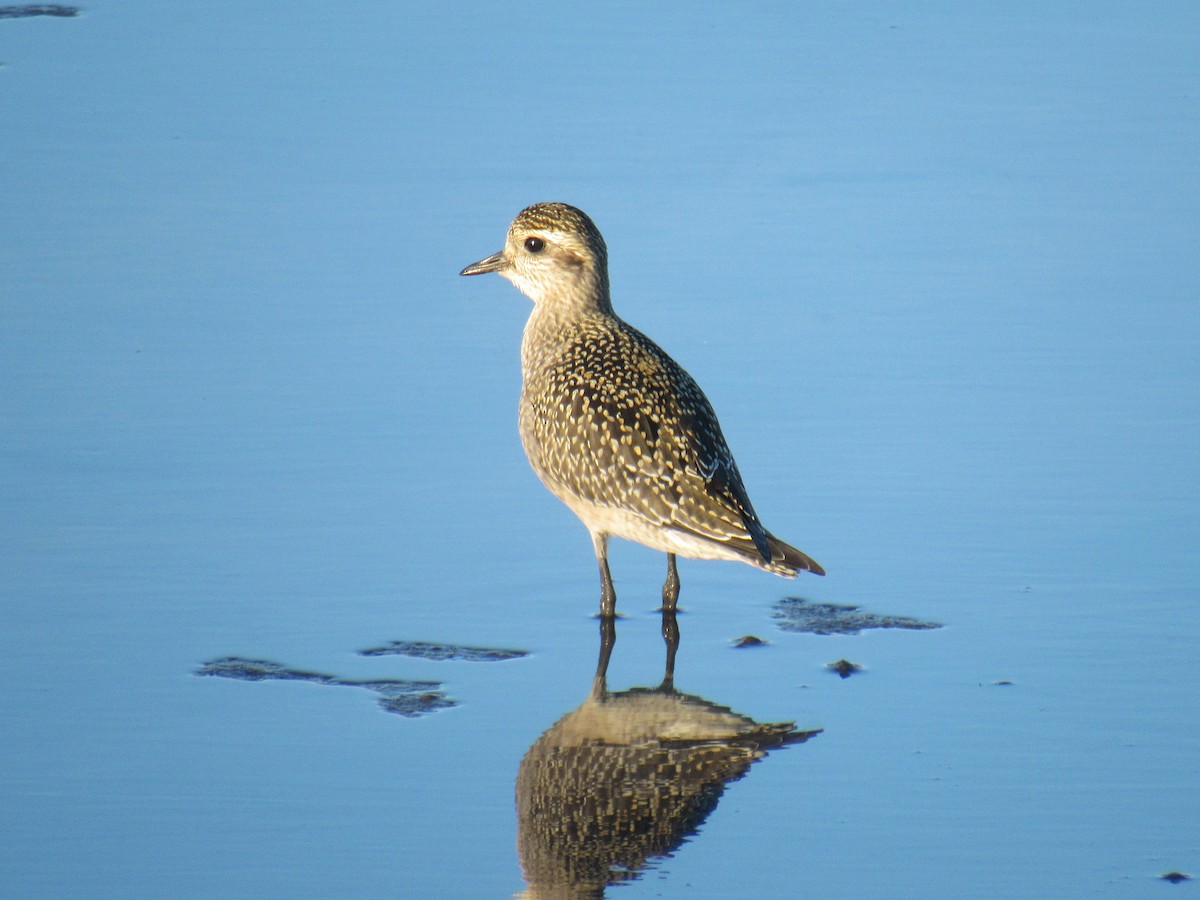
[[936, 271]]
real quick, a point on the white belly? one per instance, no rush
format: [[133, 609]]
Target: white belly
[[619, 523]]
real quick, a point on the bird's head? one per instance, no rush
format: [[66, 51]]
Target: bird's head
[[554, 254]]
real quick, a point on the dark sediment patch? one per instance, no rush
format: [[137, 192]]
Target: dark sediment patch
[[42, 9], [413, 705], [800, 615], [844, 668], [441, 652], [396, 695], [749, 640]]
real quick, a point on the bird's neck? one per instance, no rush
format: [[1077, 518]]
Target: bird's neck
[[551, 325], [584, 294]]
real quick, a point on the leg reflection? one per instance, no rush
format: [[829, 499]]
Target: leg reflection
[[670, 633], [608, 637]]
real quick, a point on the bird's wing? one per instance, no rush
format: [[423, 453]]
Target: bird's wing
[[715, 479], [643, 438]]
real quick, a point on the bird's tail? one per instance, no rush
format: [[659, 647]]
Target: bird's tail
[[787, 560]]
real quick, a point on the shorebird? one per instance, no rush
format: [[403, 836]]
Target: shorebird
[[613, 426]]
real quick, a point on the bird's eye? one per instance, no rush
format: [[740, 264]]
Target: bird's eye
[[535, 244]]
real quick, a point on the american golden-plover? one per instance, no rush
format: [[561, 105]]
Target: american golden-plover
[[613, 426]]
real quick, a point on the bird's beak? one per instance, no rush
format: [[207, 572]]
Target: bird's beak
[[493, 263]]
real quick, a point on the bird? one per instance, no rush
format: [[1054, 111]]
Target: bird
[[611, 424]]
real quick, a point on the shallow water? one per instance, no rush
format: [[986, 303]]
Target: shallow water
[[937, 272]]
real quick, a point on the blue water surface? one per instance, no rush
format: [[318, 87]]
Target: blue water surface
[[935, 265]]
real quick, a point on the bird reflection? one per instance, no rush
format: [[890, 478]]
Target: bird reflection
[[627, 777]]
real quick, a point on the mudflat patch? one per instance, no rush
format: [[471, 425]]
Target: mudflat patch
[[440, 652], [43, 9], [396, 695], [799, 615]]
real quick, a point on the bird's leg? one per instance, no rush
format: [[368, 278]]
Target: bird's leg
[[608, 594], [671, 585]]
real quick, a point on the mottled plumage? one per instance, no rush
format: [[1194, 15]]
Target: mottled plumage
[[611, 424]]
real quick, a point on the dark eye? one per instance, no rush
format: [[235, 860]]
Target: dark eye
[[535, 244]]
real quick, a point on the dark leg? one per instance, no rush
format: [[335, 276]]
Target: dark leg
[[671, 585], [670, 633], [670, 625], [608, 595], [608, 637]]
